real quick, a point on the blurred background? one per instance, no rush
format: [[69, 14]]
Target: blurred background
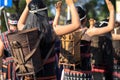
[[95, 9]]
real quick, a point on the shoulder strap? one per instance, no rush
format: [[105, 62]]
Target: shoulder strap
[[46, 58]]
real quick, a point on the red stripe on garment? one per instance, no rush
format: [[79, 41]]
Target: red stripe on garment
[[85, 54], [50, 60], [98, 70], [77, 72], [9, 71], [116, 74]]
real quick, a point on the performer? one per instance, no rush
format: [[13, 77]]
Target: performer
[[12, 23], [88, 34], [5, 51], [35, 15]]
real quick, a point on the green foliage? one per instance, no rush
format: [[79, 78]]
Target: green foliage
[[3, 25], [96, 9]]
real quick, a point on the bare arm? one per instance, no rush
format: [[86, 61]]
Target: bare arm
[[64, 29], [23, 17], [1, 48], [110, 26], [116, 36], [58, 10]]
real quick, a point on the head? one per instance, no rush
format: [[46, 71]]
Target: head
[[38, 15], [12, 21], [38, 7], [38, 18], [82, 15]]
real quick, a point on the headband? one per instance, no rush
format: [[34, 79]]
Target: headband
[[35, 11], [12, 22], [101, 23], [82, 18]]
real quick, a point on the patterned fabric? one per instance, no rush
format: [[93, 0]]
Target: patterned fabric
[[103, 57], [8, 66], [4, 38], [8, 69], [85, 55], [68, 74]]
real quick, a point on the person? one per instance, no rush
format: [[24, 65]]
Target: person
[[104, 42], [116, 48], [88, 33], [12, 23], [35, 15], [5, 50]]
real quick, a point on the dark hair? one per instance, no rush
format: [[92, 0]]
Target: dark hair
[[13, 18], [81, 12], [36, 4], [38, 17], [102, 23]]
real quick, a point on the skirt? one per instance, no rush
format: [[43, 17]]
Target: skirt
[[68, 74]]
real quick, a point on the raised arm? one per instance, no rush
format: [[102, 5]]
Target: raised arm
[[23, 16], [64, 29], [1, 48], [110, 26], [57, 15]]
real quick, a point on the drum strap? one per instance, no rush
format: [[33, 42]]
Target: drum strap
[[22, 61], [46, 58], [35, 48]]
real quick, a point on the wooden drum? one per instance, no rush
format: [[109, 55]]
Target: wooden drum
[[70, 48], [25, 51]]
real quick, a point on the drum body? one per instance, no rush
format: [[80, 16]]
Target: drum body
[[22, 44], [70, 51]]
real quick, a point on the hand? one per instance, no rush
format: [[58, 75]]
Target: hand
[[28, 1], [58, 7], [69, 2], [109, 5]]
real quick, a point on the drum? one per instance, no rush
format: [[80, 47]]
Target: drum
[[25, 51], [70, 51]]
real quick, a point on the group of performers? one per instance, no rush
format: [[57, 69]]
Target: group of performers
[[35, 16]]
